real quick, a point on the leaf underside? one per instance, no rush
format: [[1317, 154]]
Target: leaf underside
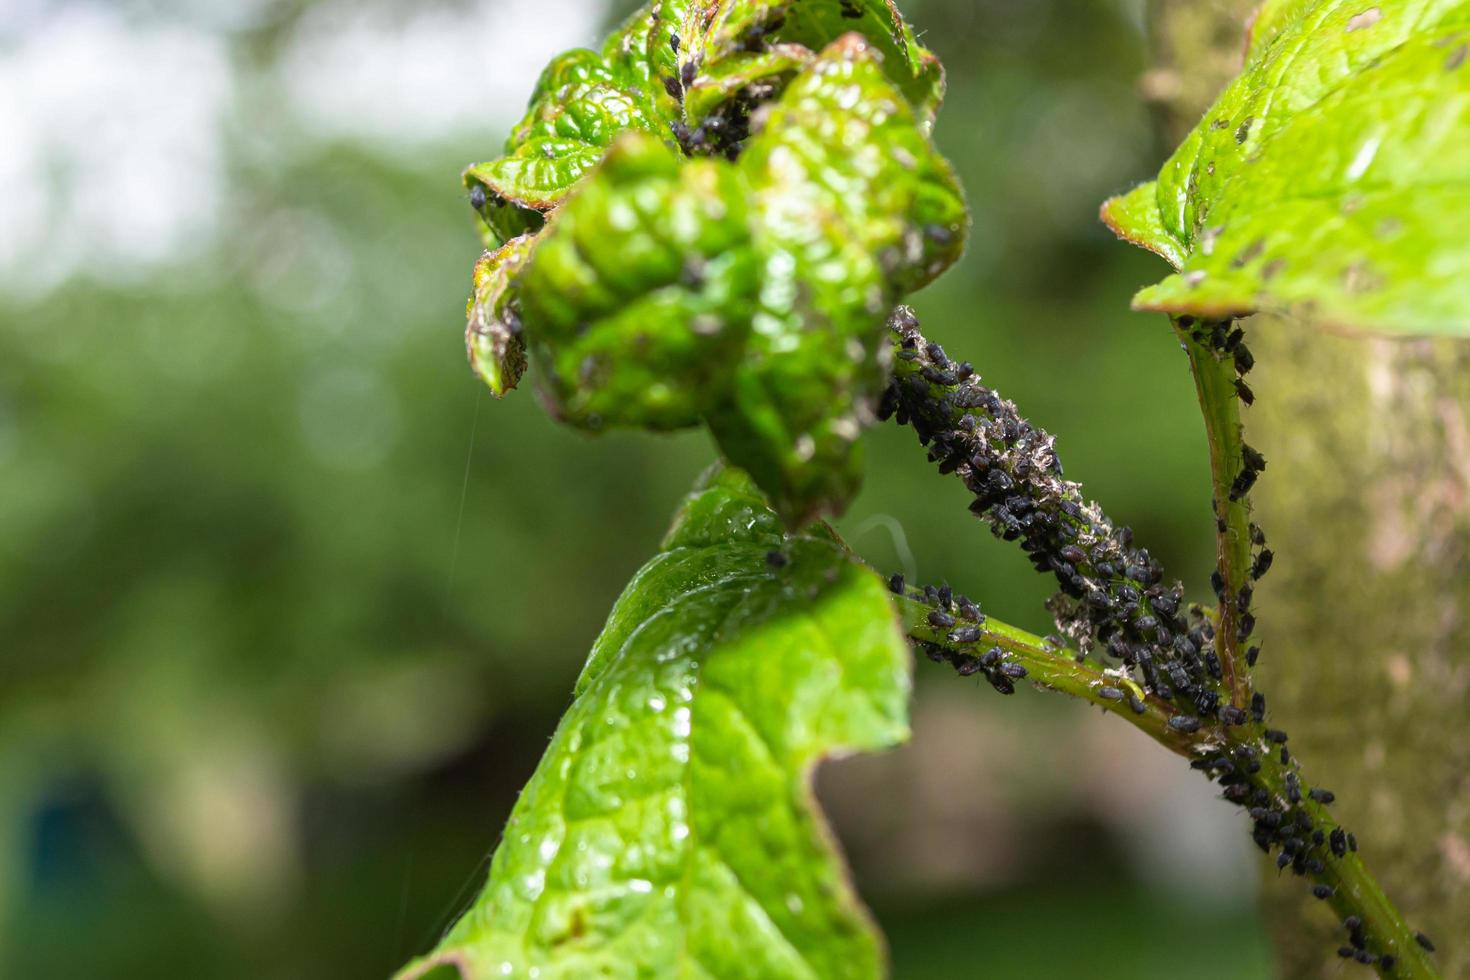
[[1330, 181], [670, 829]]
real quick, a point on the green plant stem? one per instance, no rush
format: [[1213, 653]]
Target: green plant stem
[[1214, 379], [1355, 892], [1056, 669]]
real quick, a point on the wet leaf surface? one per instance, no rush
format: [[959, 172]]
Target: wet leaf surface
[[1331, 180], [670, 829]]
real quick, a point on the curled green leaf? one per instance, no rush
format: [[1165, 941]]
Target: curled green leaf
[[493, 333], [844, 183], [1331, 180], [712, 53], [730, 215], [581, 103], [638, 299], [670, 828]]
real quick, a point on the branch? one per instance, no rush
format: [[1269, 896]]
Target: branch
[[1219, 360], [955, 632], [1272, 790], [1113, 600], [1116, 606]]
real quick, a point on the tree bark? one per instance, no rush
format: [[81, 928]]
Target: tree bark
[[1366, 612]]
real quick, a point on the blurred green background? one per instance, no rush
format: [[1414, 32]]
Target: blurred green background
[[288, 608]]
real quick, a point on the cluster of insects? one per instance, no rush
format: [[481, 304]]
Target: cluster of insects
[[1113, 595], [961, 620], [1225, 342], [1113, 601], [724, 131]]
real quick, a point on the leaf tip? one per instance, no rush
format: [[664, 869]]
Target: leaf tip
[[1134, 217]]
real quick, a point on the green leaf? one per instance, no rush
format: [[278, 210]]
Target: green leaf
[[670, 289], [670, 829], [853, 207], [637, 299], [911, 67], [736, 51], [740, 43], [1331, 180], [580, 104], [493, 331]]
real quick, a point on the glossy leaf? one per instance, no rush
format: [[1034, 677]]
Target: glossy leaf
[[581, 103], [493, 334], [717, 50], [1330, 180], [671, 287], [912, 68], [638, 299], [670, 829], [846, 185]]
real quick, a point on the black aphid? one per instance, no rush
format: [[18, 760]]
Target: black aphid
[[1323, 796], [1013, 670], [477, 196], [1323, 891], [1423, 940], [1184, 723], [776, 559], [965, 665], [940, 619], [1110, 693], [895, 584], [1251, 458], [965, 634]]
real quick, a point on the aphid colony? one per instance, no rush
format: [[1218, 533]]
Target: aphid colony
[[962, 622], [1113, 594], [1114, 600], [1225, 343], [724, 131]]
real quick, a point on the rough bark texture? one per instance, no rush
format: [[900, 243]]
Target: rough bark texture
[[1368, 506], [1366, 613]]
